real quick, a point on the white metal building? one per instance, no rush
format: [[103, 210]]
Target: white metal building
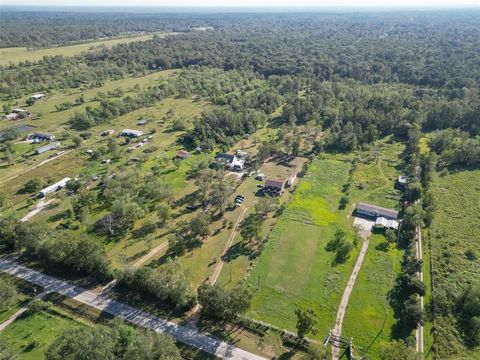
[[54, 187]]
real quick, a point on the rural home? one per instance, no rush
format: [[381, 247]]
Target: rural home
[[182, 154], [142, 122], [374, 211], [131, 133], [274, 187], [54, 187], [47, 147], [17, 114], [231, 162], [37, 137]]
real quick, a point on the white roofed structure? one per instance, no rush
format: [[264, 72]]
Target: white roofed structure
[[132, 133], [54, 187]]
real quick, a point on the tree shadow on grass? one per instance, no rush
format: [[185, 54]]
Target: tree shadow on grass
[[237, 250]]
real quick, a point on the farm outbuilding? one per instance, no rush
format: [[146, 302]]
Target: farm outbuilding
[[131, 133], [182, 154], [54, 187], [375, 211], [48, 147], [382, 223], [37, 96]]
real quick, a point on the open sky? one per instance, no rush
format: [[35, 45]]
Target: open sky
[[250, 3]]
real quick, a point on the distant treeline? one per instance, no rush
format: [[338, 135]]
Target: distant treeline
[[432, 49]]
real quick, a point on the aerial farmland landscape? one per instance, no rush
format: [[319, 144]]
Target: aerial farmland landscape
[[240, 182]]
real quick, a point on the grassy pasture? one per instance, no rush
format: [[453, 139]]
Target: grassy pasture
[[453, 231], [17, 54], [25, 293], [295, 269], [369, 318], [31, 334], [368, 314]]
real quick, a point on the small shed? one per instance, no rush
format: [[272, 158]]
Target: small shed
[[291, 179], [182, 154], [402, 181]]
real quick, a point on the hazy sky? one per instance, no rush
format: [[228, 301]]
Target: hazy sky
[[249, 3]]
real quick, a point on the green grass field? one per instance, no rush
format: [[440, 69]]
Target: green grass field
[[18, 54], [453, 231], [31, 334], [369, 318], [25, 293], [295, 269]]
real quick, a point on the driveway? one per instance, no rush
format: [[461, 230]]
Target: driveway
[[189, 336]]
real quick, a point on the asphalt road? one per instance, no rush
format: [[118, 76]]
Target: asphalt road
[[186, 335]]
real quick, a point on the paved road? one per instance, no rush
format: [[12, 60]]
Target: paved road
[[189, 336], [337, 330], [218, 268]]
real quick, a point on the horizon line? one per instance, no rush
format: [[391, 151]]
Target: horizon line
[[365, 6]]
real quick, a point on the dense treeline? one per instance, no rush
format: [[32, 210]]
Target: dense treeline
[[114, 342], [43, 28], [110, 109], [169, 283], [80, 253], [370, 48]]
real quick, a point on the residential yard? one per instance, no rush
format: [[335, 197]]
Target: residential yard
[[368, 317], [453, 232]]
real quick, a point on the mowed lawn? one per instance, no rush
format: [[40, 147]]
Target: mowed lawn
[[295, 269], [454, 230]]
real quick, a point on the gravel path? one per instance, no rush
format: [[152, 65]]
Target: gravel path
[[34, 167], [419, 330], [337, 330], [40, 205], [189, 336], [218, 268]]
